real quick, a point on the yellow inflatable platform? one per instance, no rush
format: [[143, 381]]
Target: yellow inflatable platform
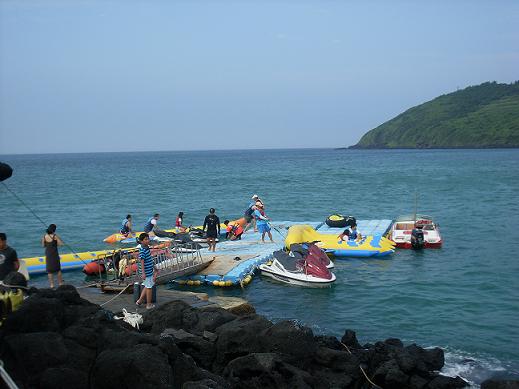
[[369, 246]]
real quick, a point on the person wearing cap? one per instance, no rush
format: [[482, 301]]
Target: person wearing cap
[[262, 221], [249, 213]]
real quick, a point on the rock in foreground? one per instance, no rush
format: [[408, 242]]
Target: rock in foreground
[[57, 340]]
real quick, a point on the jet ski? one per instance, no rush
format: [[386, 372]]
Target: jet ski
[[305, 248], [295, 269]]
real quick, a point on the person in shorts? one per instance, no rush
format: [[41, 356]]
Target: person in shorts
[[262, 222], [147, 268], [212, 223]]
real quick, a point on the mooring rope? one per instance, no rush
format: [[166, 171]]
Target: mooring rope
[[113, 298], [362, 370], [40, 220]]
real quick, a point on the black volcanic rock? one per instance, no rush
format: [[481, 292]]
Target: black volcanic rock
[[57, 340]]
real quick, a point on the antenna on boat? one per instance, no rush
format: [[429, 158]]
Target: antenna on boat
[[415, 204]]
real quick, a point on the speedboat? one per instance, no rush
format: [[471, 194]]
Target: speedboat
[[295, 269], [406, 232]]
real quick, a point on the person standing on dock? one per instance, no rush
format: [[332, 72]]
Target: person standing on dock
[[262, 222], [212, 222], [51, 241], [8, 258], [249, 213], [148, 271]]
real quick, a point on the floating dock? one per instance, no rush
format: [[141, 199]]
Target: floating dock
[[234, 261]]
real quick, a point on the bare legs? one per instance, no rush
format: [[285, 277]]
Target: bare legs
[[212, 244], [51, 279], [263, 236], [146, 293]]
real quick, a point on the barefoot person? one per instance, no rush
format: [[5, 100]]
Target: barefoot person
[[212, 222], [148, 271], [51, 241], [262, 222]]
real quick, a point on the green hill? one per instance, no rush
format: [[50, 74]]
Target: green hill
[[480, 116]]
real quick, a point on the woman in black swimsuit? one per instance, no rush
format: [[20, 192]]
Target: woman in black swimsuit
[[51, 241]]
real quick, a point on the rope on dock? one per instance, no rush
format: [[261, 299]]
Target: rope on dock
[[133, 319], [117, 295], [362, 370]]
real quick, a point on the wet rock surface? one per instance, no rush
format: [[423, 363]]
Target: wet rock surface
[[56, 339]]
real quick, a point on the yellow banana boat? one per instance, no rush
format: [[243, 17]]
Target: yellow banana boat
[[36, 265], [369, 246]]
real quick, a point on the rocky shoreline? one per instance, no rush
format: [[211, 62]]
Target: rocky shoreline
[[56, 339]]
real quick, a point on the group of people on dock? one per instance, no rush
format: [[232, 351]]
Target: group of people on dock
[[254, 216]]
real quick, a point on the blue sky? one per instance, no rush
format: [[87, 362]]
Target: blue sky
[[82, 76]]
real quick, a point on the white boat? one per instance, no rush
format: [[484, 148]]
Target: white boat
[[401, 231], [295, 269]]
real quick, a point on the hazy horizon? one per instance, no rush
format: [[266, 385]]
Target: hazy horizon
[[94, 76]]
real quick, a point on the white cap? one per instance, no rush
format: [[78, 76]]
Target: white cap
[[255, 197]]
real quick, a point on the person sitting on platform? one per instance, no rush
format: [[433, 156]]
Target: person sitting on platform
[[178, 222], [355, 234], [151, 227], [126, 227], [345, 235], [234, 230]]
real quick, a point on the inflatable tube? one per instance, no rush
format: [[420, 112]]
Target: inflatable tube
[[336, 220], [93, 268]]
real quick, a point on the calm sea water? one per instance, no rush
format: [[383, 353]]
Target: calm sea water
[[463, 297]]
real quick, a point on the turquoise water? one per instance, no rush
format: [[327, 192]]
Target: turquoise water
[[463, 297]]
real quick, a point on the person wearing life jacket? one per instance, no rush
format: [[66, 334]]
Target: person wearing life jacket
[[354, 233], [234, 230], [126, 226], [345, 235], [151, 223]]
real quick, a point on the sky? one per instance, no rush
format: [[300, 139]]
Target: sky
[[88, 76]]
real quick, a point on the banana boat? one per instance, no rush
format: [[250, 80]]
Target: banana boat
[[370, 246]]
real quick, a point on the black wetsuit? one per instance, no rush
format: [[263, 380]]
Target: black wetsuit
[[212, 222]]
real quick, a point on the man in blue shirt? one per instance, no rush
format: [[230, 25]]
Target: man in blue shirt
[[148, 270]]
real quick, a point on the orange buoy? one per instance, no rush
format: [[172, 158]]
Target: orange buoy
[[93, 268], [131, 269]]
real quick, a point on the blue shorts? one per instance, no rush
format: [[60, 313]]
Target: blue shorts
[[263, 228], [148, 282]]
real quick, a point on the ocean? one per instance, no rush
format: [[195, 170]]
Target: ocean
[[463, 298]]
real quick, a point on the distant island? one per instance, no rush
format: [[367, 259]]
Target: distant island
[[483, 116]]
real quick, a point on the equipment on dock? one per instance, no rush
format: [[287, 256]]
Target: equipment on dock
[[370, 246], [170, 263]]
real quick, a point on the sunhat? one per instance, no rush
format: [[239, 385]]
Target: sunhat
[[255, 197]]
